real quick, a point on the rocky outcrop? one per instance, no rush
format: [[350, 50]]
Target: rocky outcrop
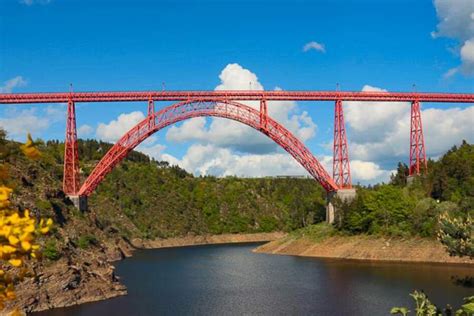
[[64, 284]]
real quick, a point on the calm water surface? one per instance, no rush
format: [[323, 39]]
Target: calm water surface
[[231, 280]]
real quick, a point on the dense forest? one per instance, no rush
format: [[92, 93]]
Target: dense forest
[[404, 208], [166, 201]]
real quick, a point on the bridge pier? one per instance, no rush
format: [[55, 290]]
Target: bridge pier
[[79, 201], [345, 195]]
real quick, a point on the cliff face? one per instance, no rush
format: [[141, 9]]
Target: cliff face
[[69, 282]]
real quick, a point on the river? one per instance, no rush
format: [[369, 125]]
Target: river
[[231, 280]]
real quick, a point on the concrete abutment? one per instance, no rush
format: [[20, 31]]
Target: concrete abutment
[[345, 195], [79, 201]]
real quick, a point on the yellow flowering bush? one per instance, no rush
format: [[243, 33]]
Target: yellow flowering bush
[[29, 148], [18, 233]]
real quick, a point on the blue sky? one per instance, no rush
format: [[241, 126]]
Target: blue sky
[[139, 45]]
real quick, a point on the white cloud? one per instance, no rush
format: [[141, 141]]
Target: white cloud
[[363, 172], [368, 120], [456, 20], [467, 57], [379, 131], [152, 150], [84, 130], [115, 129], [31, 2], [451, 72], [368, 172], [13, 83], [229, 134], [314, 46], [211, 160], [18, 122]]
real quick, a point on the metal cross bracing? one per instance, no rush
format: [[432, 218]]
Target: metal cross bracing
[[195, 108], [225, 104], [341, 170], [71, 175], [417, 143]]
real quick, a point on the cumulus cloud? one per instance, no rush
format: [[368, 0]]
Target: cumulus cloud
[[17, 122], [379, 131], [363, 172], [467, 57], [212, 160], [115, 129], [152, 150], [84, 130], [314, 46], [228, 134], [12, 83], [456, 20], [369, 172]]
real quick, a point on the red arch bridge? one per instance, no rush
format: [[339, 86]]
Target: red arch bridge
[[228, 104]]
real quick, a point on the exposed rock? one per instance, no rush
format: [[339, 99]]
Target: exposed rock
[[61, 284]]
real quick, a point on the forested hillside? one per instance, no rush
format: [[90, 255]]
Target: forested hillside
[[165, 201], [403, 210]]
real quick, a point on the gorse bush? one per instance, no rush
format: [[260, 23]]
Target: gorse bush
[[18, 230]]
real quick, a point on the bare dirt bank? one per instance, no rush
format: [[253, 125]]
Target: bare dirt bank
[[204, 240], [364, 248]]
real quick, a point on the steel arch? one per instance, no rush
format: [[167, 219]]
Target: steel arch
[[196, 108]]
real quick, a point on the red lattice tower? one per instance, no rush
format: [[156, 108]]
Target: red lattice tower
[[417, 142], [71, 180], [341, 170]]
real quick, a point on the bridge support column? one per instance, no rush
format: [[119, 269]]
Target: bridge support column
[[341, 169], [263, 115], [345, 195], [418, 161], [71, 176], [151, 107], [79, 201]]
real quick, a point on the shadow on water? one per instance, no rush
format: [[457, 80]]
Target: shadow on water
[[466, 281], [231, 280]]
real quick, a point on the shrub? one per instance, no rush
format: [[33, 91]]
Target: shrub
[[51, 251], [85, 241]]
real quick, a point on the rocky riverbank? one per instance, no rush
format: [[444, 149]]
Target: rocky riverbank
[[89, 276], [363, 247]]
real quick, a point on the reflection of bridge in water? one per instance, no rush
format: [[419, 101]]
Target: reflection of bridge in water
[[227, 104]]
